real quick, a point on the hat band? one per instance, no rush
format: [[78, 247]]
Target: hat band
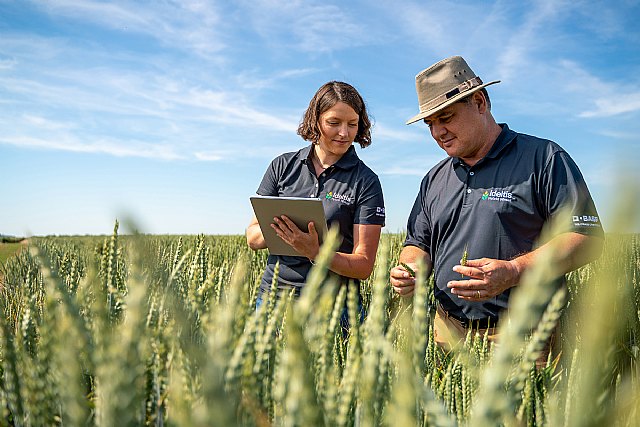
[[461, 88]]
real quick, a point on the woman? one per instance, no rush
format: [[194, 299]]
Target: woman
[[329, 169]]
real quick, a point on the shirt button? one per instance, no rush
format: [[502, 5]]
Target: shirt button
[[468, 191], [472, 173]]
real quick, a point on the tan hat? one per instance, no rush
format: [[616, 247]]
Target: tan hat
[[444, 83]]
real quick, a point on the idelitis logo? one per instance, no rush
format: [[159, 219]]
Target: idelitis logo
[[338, 197], [498, 195]]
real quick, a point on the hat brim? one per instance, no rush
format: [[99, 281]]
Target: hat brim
[[453, 100]]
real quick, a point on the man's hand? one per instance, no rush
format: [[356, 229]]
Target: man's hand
[[487, 278], [402, 279], [490, 277]]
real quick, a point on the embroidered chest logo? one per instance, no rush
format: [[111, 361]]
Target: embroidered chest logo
[[498, 195], [338, 197]]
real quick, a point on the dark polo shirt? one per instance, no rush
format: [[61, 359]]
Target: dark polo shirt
[[351, 194], [497, 209]]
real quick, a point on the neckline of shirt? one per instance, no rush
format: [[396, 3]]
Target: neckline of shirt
[[503, 140], [347, 161]]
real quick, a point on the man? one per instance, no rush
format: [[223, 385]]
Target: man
[[489, 200]]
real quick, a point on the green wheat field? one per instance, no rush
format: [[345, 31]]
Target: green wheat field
[[140, 330]]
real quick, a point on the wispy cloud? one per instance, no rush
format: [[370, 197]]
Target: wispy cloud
[[615, 134], [45, 124], [195, 110], [616, 21], [609, 98], [185, 24], [479, 31], [230, 108], [7, 63], [411, 170], [416, 166], [533, 34], [519, 50], [614, 105], [431, 27], [131, 101], [210, 156], [116, 148], [307, 26], [225, 83], [255, 79], [391, 133], [605, 173]]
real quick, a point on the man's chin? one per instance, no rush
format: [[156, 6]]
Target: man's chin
[[452, 153]]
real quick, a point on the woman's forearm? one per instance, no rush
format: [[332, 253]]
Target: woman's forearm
[[255, 239]]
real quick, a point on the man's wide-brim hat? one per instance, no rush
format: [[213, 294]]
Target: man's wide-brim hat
[[444, 83]]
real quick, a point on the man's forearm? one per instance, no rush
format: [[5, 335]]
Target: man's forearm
[[571, 251], [412, 254]]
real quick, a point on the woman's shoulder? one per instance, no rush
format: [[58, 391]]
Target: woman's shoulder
[[291, 155], [365, 171]]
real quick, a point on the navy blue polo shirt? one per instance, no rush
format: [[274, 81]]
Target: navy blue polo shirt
[[351, 194], [497, 209]]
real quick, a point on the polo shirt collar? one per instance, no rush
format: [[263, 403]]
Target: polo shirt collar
[[347, 161], [303, 154], [505, 138]]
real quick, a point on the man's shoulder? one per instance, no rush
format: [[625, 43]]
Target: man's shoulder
[[536, 144], [439, 171], [442, 166]]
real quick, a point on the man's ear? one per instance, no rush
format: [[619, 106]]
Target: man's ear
[[478, 100]]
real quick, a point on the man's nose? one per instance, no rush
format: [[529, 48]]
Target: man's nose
[[437, 131]]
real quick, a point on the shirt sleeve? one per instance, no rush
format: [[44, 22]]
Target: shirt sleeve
[[565, 187], [370, 206], [419, 225], [269, 184]]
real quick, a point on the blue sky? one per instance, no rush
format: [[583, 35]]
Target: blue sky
[[168, 112]]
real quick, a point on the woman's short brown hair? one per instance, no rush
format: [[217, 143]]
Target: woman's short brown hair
[[326, 97]]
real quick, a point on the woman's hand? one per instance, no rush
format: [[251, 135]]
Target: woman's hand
[[306, 244]]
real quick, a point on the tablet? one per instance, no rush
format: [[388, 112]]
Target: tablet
[[300, 210]]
